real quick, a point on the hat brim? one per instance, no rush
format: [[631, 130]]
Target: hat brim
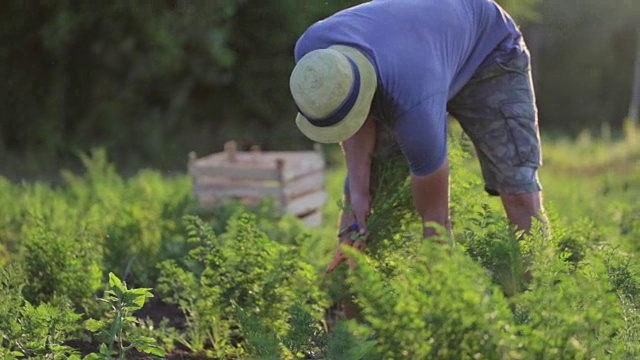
[[353, 121]]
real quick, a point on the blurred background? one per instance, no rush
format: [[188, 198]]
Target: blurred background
[[152, 81]]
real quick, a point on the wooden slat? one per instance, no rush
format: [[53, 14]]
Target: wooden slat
[[314, 219], [209, 160], [303, 185], [307, 203], [208, 202], [234, 172], [223, 190], [257, 159], [204, 199], [311, 163], [225, 182]]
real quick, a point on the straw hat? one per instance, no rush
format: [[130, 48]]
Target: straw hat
[[333, 89]]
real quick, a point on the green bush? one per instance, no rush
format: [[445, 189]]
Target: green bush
[[99, 220], [118, 339], [135, 219], [60, 262], [439, 305], [569, 310], [243, 292], [490, 240], [630, 225], [33, 331]]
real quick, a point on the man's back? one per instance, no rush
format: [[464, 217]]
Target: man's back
[[435, 45], [424, 52]]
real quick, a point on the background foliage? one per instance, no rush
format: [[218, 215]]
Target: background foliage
[[151, 81]]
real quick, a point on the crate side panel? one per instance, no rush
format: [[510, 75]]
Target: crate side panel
[[311, 163], [314, 219], [308, 203], [303, 185]]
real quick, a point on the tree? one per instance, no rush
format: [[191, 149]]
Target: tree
[[523, 11], [151, 81], [583, 63], [634, 104]]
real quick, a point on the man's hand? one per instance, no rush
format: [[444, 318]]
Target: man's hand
[[353, 235]]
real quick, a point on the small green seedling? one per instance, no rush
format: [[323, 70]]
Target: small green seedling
[[118, 340]]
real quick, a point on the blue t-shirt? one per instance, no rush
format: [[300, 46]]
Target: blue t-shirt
[[424, 52]]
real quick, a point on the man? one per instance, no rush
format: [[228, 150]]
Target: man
[[402, 66]]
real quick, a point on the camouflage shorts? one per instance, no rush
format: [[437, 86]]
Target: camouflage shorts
[[497, 110]]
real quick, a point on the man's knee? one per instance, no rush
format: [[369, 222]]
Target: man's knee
[[522, 208], [524, 197], [530, 200]]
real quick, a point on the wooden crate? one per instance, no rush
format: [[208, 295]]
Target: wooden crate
[[295, 179]]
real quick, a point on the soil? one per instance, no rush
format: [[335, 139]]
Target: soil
[[155, 310]]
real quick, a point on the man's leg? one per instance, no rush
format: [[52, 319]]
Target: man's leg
[[497, 110], [431, 199], [521, 209]]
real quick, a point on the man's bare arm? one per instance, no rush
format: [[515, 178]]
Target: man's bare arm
[[358, 151], [431, 198]]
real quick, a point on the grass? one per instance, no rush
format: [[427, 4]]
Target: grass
[[246, 277]]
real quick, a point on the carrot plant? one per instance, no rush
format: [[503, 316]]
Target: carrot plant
[[33, 331], [118, 340], [437, 305], [60, 260], [243, 293]]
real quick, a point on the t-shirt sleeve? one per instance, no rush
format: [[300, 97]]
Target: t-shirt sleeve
[[421, 133], [308, 42], [301, 49]]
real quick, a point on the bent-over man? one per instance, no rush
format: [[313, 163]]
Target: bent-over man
[[400, 67]]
